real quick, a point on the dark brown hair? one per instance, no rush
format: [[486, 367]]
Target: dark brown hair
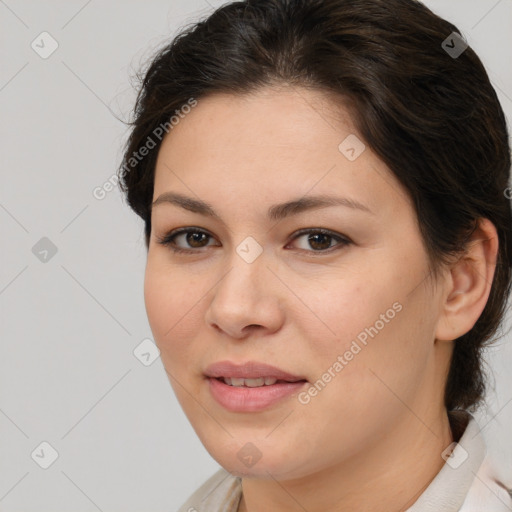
[[431, 116]]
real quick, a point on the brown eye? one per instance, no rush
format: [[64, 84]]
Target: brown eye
[[195, 238], [317, 241], [320, 240], [192, 238]]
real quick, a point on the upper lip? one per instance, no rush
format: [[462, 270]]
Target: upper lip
[[249, 370]]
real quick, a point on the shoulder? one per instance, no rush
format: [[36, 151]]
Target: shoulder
[[487, 492], [221, 492]]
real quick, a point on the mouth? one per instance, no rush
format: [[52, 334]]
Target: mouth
[[250, 387], [255, 382], [250, 374]]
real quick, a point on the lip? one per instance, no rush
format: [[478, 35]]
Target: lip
[[246, 399], [249, 370]]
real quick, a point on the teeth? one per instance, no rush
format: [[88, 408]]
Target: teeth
[[250, 383], [239, 382]]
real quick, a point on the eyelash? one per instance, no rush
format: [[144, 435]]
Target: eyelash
[[168, 240]]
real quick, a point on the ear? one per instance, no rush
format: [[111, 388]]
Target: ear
[[468, 283]]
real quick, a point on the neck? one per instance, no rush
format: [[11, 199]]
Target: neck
[[388, 476]]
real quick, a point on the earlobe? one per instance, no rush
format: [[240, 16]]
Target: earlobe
[[469, 283]]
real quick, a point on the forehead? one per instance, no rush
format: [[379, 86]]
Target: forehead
[[283, 120], [273, 144]]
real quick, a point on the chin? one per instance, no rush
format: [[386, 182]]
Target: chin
[[247, 473], [247, 462]]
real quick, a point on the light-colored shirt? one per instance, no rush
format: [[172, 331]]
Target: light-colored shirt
[[465, 483]]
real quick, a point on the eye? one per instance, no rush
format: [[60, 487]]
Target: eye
[[318, 239], [193, 236]]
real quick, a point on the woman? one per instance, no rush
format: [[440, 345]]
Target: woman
[[329, 248]]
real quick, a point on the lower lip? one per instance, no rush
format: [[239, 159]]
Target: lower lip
[[244, 399]]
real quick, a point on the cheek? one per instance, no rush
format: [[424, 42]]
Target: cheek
[[345, 309], [374, 322], [173, 305], [381, 350]]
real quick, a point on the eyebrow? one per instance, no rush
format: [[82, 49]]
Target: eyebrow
[[275, 212]]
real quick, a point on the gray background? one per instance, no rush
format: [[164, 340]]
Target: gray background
[[70, 324]]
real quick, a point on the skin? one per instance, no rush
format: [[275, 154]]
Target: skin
[[379, 421]]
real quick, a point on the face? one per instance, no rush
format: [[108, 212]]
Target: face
[[336, 296]]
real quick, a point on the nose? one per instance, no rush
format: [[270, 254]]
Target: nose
[[246, 299]]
